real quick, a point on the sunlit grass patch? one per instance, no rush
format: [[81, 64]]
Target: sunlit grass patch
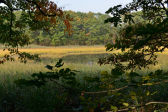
[[61, 51]]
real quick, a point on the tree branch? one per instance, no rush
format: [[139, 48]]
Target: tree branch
[[2, 1], [41, 11], [118, 89], [164, 8], [149, 103], [11, 22]]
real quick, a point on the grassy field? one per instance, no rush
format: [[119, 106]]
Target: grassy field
[[58, 52], [81, 58], [75, 57]]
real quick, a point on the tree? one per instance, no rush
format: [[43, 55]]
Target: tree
[[139, 42], [88, 29], [34, 15]]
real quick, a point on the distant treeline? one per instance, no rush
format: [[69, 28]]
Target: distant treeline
[[87, 29]]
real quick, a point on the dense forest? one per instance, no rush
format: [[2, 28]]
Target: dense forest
[[87, 28]]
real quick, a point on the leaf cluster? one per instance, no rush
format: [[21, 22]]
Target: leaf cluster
[[140, 41], [65, 78]]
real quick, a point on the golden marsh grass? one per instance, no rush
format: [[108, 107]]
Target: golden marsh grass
[[59, 52]]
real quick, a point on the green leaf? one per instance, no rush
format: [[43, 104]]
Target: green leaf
[[147, 93], [132, 93], [126, 104], [49, 67], [104, 73], [59, 63], [116, 72], [149, 84], [114, 108]]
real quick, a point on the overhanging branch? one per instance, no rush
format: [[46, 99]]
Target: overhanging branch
[[118, 89], [146, 104], [41, 11]]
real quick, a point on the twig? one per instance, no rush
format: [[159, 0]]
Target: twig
[[133, 107], [114, 90], [164, 8], [149, 103], [118, 89], [39, 8]]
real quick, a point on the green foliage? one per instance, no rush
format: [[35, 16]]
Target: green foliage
[[130, 92], [141, 39], [19, 17], [88, 29], [62, 78], [14, 25], [58, 76]]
